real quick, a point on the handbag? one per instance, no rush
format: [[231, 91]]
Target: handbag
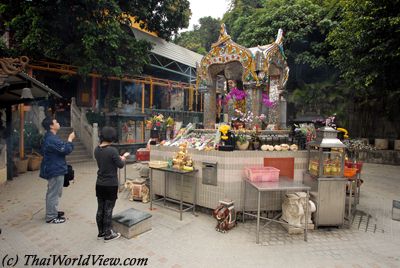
[[69, 176]]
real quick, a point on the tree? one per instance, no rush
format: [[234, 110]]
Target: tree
[[201, 37], [366, 49], [191, 40], [237, 17], [94, 35]]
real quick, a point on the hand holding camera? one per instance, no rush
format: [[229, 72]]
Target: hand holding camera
[[71, 136]]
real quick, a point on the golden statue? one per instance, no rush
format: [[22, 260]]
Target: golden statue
[[182, 160]]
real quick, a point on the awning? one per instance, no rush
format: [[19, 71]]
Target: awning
[[11, 89], [169, 50]]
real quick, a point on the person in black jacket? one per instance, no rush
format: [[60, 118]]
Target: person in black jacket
[[54, 167], [108, 162]]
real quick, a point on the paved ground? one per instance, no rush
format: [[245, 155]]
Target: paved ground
[[372, 241]]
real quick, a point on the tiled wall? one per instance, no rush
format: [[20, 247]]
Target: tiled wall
[[230, 176]]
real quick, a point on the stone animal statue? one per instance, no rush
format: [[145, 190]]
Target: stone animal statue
[[129, 186], [133, 189], [145, 194], [292, 210], [311, 207]]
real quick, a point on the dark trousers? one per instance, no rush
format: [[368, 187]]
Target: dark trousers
[[104, 215]]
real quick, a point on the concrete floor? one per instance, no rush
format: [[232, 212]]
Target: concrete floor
[[372, 241]]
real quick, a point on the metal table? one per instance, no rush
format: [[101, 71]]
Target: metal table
[[283, 184], [181, 173]]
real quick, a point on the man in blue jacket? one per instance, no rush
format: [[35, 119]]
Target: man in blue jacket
[[54, 167]]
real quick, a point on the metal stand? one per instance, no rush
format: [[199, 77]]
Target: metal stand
[[181, 173], [282, 185], [128, 161]]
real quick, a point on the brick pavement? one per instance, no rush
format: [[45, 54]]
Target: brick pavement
[[193, 242]]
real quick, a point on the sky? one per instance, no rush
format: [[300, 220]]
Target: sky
[[204, 8]]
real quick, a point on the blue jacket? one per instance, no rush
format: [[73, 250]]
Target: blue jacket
[[54, 151]]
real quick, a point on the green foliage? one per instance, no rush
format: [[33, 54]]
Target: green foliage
[[95, 117], [202, 37], [4, 51], [366, 49], [237, 19], [241, 137], [32, 137], [93, 35]]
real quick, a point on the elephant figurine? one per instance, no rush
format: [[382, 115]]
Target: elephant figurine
[[311, 207], [292, 210]]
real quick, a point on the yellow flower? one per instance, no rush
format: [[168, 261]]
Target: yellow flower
[[224, 130], [169, 122]]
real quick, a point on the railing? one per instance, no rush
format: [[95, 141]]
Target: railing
[[182, 116], [87, 133]]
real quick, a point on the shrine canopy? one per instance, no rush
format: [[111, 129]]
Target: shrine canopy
[[250, 65], [18, 87]]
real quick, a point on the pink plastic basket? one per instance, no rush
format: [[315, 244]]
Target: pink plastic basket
[[262, 173]]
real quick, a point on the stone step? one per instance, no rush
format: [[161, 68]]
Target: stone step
[[78, 158], [79, 146], [79, 150], [78, 153]]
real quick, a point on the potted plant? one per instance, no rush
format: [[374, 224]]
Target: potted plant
[[169, 127], [21, 163], [154, 124], [242, 141], [356, 149], [255, 140]]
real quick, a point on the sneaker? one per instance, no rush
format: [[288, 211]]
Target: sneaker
[[61, 213], [101, 236], [112, 236], [57, 220]]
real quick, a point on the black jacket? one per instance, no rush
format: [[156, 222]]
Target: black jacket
[[108, 162]]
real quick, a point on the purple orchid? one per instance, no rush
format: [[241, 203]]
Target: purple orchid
[[266, 101], [237, 94]]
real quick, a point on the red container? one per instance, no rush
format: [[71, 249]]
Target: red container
[[349, 172], [262, 173], [143, 154], [358, 165]]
